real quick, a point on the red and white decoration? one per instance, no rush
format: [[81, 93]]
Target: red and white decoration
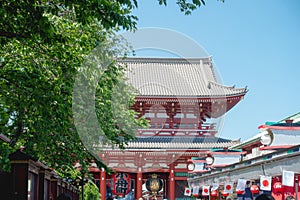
[[241, 185], [228, 187], [205, 190], [254, 189], [214, 193], [225, 194], [196, 191], [240, 191], [265, 183], [187, 192], [277, 187], [288, 178]]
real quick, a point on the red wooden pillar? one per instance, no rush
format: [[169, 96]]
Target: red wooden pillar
[[139, 183], [103, 184], [171, 182]]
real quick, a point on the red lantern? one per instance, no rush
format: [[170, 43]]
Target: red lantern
[[277, 187], [225, 194], [214, 193], [254, 189], [240, 191], [121, 185]]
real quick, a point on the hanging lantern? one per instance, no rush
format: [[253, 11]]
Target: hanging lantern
[[254, 189], [195, 195], [154, 184], [121, 184], [205, 191], [240, 191], [224, 194], [214, 193], [277, 187]]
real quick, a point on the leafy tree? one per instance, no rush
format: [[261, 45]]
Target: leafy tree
[[91, 191], [187, 6], [37, 78], [43, 47]]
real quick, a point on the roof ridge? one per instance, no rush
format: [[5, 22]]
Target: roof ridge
[[190, 60], [228, 87]]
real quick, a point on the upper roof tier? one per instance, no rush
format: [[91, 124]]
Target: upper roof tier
[[176, 77]]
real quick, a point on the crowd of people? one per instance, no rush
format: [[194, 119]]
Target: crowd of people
[[264, 196]]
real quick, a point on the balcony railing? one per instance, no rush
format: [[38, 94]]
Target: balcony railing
[[206, 130]]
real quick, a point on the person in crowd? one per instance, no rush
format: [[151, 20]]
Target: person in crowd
[[290, 198], [264, 196]]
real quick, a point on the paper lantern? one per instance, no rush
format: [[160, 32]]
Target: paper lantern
[[240, 191], [196, 191], [154, 184], [187, 192], [225, 194], [254, 189], [228, 187], [265, 183], [121, 184], [277, 187], [214, 193], [205, 191]]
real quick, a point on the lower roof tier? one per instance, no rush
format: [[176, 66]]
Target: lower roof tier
[[180, 143]]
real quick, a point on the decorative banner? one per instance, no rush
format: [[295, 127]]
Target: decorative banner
[[265, 183], [238, 191], [205, 190], [241, 185], [277, 187], [121, 184], [225, 194], [288, 178], [215, 186], [187, 192], [254, 189], [228, 187], [196, 191], [214, 193]]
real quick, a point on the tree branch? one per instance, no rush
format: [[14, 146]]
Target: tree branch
[[10, 34]]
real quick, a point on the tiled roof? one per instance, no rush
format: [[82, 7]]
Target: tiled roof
[[179, 142], [177, 77], [181, 139]]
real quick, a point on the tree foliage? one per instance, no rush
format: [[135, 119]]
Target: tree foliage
[[187, 6], [43, 46], [38, 71]]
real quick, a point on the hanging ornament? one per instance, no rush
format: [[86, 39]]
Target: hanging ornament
[[228, 187], [254, 189], [154, 184], [265, 183], [224, 193], [121, 184], [240, 191], [205, 191], [214, 193], [277, 187]]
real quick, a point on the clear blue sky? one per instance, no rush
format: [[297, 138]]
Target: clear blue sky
[[253, 43]]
